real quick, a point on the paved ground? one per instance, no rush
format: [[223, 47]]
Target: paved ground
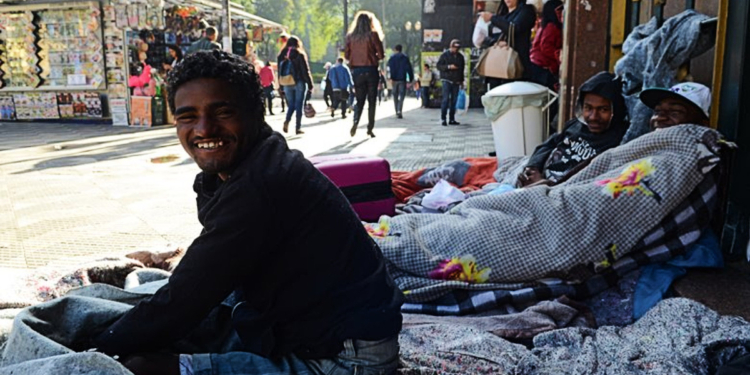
[[68, 190]]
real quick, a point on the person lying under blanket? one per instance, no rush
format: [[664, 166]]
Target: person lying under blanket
[[683, 103], [600, 125]]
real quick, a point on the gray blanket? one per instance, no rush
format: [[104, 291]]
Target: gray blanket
[[678, 336], [509, 240], [652, 57]]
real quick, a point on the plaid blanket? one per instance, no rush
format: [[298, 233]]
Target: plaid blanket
[[520, 245], [671, 237]]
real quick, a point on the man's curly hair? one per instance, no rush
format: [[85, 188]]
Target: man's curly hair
[[238, 74]]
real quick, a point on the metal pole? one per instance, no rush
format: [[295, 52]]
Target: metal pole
[[382, 24], [346, 19], [226, 26], [635, 15]]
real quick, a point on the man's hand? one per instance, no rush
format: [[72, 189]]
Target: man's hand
[[486, 16], [452, 66], [530, 175], [152, 364]]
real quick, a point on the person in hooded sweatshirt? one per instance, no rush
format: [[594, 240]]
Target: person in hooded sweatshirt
[[600, 125]]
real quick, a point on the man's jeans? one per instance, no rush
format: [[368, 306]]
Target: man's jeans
[[295, 97], [450, 98], [358, 357], [224, 355], [425, 92], [340, 97], [399, 93]]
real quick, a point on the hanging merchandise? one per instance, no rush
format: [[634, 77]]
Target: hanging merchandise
[[71, 47], [41, 105], [121, 17], [79, 104], [19, 61], [7, 108], [132, 11]]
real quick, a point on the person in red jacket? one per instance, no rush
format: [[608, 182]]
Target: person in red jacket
[[545, 51], [266, 81]]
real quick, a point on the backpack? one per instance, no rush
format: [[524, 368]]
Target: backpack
[[286, 72]]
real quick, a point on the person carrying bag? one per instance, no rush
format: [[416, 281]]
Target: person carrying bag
[[501, 60]]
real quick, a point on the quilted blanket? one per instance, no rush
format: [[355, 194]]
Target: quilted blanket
[[508, 241]]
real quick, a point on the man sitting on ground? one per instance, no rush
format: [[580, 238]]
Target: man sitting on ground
[[684, 103], [307, 287], [599, 126]]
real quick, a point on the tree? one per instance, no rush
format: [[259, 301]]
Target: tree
[[318, 23]]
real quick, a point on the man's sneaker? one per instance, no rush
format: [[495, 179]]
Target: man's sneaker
[[299, 131], [333, 113], [286, 126], [454, 122], [399, 115], [444, 123]]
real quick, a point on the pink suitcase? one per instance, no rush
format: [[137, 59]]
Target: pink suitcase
[[364, 180]]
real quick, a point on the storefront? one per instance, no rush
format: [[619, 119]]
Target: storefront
[[75, 61], [51, 61]]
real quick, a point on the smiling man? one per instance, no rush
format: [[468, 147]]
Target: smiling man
[[683, 103], [281, 252], [600, 124]]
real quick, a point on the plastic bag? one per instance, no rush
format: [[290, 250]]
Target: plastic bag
[[462, 104], [481, 31], [442, 195]]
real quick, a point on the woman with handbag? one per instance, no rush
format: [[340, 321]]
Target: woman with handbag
[[294, 76], [364, 50], [545, 51], [516, 26]]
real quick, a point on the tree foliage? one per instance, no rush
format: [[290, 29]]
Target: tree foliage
[[320, 23]]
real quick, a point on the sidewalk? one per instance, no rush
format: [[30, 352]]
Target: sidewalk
[[71, 190]]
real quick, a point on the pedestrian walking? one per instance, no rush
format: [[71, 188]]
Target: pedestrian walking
[[451, 66], [266, 81], [425, 82], [381, 86], [326, 86], [364, 50], [401, 73], [341, 83], [294, 76]]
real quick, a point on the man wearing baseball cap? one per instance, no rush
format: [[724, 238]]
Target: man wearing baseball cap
[[451, 66], [683, 103]]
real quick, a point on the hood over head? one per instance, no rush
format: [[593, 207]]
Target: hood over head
[[609, 86]]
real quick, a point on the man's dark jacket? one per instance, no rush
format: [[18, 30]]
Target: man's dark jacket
[[562, 152], [283, 237], [452, 75], [400, 66]]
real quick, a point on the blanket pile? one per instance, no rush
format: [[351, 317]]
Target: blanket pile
[[467, 174], [678, 336], [517, 239]]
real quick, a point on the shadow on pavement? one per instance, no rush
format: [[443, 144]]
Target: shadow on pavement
[[112, 152]]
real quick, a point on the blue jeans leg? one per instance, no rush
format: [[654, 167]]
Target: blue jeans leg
[[399, 93], [358, 357], [447, 89], [291, 96]]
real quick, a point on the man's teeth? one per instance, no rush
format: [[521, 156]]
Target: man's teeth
[[210, 144]]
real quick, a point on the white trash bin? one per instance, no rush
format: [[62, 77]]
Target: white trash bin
[[516, 110]]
